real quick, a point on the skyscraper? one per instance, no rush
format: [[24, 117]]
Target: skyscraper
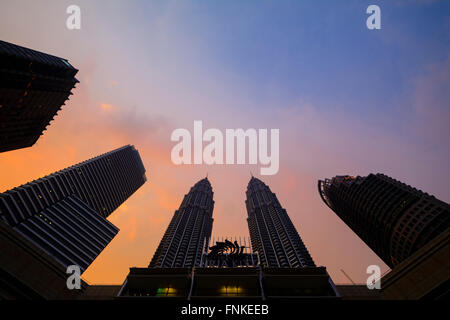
[[272, 233], [186, 236], [33, 87], [65, 212], [185, 265], [392, 218]]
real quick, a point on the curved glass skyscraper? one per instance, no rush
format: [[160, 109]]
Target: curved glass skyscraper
[[392, 218]]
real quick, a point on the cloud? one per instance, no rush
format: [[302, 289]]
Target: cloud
[[106, 106]]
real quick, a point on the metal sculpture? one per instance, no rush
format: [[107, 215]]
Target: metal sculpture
[[227, 253]]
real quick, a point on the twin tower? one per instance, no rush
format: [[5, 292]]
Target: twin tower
[[274, 238], [188, 265]]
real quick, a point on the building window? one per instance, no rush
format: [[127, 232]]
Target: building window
[[168, 291], [231, 291]]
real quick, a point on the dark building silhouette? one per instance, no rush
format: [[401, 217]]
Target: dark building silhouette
[[188, 265], [273, 235], [65, 213], [29, 273], [33, 87], [255, 283], [424, 275], [187, 235], [358, 292], [393, 219], [229, 252]]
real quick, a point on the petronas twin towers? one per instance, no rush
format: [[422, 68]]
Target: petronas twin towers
[[183, 243], [272, 233], [189, 263]]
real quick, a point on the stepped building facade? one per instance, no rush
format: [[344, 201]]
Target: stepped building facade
[[33, 88], [64, 213]]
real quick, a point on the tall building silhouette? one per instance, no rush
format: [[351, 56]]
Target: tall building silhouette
[[65, 213], [393, 219], [186, 236], [272, 232], [188, 265], [33, 87]]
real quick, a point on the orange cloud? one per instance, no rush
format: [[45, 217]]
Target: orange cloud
[[106, 107], [132, 228]]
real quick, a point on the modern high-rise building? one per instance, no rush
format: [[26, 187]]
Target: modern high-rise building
[[65, 213], [393, 219], [272, 232], [33, 87], [188, 265], [187, 235]]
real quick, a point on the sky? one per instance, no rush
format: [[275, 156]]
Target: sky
[[346, 99]]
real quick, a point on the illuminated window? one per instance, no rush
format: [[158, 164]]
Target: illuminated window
[[168, 291], [231, 291]]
